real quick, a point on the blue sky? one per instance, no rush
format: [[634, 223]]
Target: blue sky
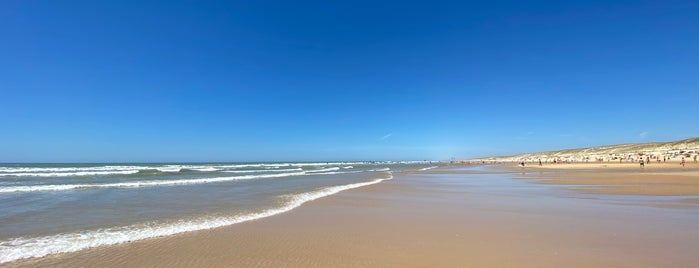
[[128, 81]]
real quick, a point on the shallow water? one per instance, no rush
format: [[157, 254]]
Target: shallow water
[[52, 208]]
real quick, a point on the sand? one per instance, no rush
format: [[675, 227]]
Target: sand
[[440, 218], [673, 165], [655, 179]]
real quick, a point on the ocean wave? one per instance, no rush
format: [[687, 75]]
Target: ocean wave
[[335, 172], [169, 169], [324, 169], [262, 170], [205, 169], [254, 166], [67, 169], [136, 184], [271, 165], [428, 168], [15, 171], [21, 248], [96, 171], [70, 174]]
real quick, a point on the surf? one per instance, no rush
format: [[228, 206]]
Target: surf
[[22, 248]]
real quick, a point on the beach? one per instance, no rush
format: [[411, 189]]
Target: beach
[[349, 134], [467, 216], [653, 179]]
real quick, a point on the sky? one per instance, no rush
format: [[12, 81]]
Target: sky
[[163, 81]]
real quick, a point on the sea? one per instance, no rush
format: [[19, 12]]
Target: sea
[[56, 208]]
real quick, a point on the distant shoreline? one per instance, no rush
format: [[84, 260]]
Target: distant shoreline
[[449, 216], [621, 153]]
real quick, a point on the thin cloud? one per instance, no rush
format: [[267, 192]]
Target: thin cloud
[[386, 136], [643, 134]]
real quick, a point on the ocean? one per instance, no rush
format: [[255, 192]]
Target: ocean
[[57, 208]]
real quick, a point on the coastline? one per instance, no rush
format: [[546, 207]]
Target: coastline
[[441, 217], [654, 179]]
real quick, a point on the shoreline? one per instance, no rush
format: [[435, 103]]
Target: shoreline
[[440, 217], [655, 179]]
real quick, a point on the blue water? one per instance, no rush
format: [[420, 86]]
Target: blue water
[[54, 208]]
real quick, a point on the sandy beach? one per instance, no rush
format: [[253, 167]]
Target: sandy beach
[[349, 134], [449, 217], [654, 179]]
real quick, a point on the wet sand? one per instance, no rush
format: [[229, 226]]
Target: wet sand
[[655, 179], [672, 165], [440, 218]]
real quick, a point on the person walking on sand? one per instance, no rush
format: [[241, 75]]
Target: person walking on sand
[[695, 160], [682, 163], [642, 164]]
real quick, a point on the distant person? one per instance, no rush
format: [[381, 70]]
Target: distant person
[[664, 157], [682, 163], [642, 164], [695, 160]]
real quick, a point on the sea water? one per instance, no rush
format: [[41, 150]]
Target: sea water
[[55, 208]]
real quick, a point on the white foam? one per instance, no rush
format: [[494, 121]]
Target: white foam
[[325, 169], [428, 168], [255, 165], [100, 170], [21, 248], [310, 164], [262, 170], [348, 167], [67, 169], [168, 169], [165, 168], [381, 169], [206, 169], [70, 174], [136, 184], [334, 172], [273, 165]]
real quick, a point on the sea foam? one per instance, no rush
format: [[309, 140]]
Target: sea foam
[[21, 248], [262, 170], [136, 184], [70, 174], [324, 169]]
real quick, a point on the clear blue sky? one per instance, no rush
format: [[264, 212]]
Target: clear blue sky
[[96, 81]]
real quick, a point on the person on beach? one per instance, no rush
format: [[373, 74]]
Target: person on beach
[[642, 164], [695, 160], [682, 163]]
